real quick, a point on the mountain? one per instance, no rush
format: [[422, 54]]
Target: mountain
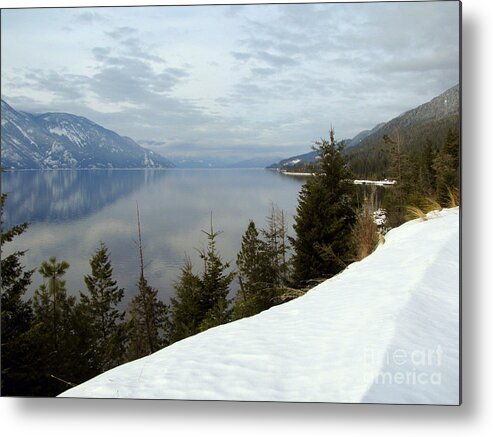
[[200, 162], [260, 162], [429, 121], [362, 135], [59, 140], [336, 343], [297, 161], [300, 161]]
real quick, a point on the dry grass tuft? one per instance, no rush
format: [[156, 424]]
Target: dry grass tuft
[[413, 212], [365, 232], [432, 205], [453, 195]]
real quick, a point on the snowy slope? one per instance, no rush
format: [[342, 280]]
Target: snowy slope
[[384, 330], [59, 140]]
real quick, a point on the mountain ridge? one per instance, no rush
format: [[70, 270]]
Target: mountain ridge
[[61, 140], [430, 120]]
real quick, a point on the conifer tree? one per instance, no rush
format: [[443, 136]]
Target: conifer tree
[[201, 301], [396, 199], [324, 216], [101, 308], [52, 332], [428, 175], [446, 165], [215, 282], [16, 314], [275, 235], [257, 273], [185, 306], [255, 268], [51, 303], [148, 323]]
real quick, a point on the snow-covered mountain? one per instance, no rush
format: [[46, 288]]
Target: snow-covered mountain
[[385, 330], [59, 140]]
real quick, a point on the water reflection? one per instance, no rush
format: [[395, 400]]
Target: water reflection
[[61, 195], [71, 211]]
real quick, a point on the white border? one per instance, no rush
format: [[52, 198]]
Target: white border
[[162, 418]]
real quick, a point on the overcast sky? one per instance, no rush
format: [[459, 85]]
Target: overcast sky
[[236, 80]]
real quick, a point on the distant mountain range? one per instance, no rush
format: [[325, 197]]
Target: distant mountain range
[[430, 120], [59, 140]]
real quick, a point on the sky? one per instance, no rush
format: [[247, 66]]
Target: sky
[[232, 81]]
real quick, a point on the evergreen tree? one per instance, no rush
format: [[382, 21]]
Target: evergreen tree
[[148, 324], [396, 200], [215, 282], [253, 261], [16, 314], [185, 306], [262, 266], [447, 167], [201, 301], [325, 214], [275, 235], [428, 175], [52, 332], [51, 303], [101, 308], [256, 274]]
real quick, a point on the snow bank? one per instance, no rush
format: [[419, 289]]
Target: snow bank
[[384, 330]]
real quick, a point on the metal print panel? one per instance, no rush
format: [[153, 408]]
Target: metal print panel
[[240, 202]]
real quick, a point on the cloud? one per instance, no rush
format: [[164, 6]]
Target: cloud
[[89, 17], [275, 60], [61, 85], [263, 71], [421, 63], [233, 79], [121, 32], [241, 56]]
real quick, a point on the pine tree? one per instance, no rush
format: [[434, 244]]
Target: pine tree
[[51, 303], [201, 301], [255, 268], [102, 313], [16, 314], [52, 332], [262, 266], [148, 324], [325, 214], [215, 282], [428, 174], [447, 167], [396, 199], [185, 310], [275, 235]]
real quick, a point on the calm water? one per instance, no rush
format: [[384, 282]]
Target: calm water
[[71, 211]]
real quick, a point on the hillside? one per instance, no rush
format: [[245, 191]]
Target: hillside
[[428, 122], [59, 140], [366, 151], [384, 330]]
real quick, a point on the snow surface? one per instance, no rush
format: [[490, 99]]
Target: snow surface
[[385, 330]]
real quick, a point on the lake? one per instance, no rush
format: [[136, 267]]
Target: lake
[[71, 211]]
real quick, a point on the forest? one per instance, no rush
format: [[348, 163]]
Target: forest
[[58, 338]]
